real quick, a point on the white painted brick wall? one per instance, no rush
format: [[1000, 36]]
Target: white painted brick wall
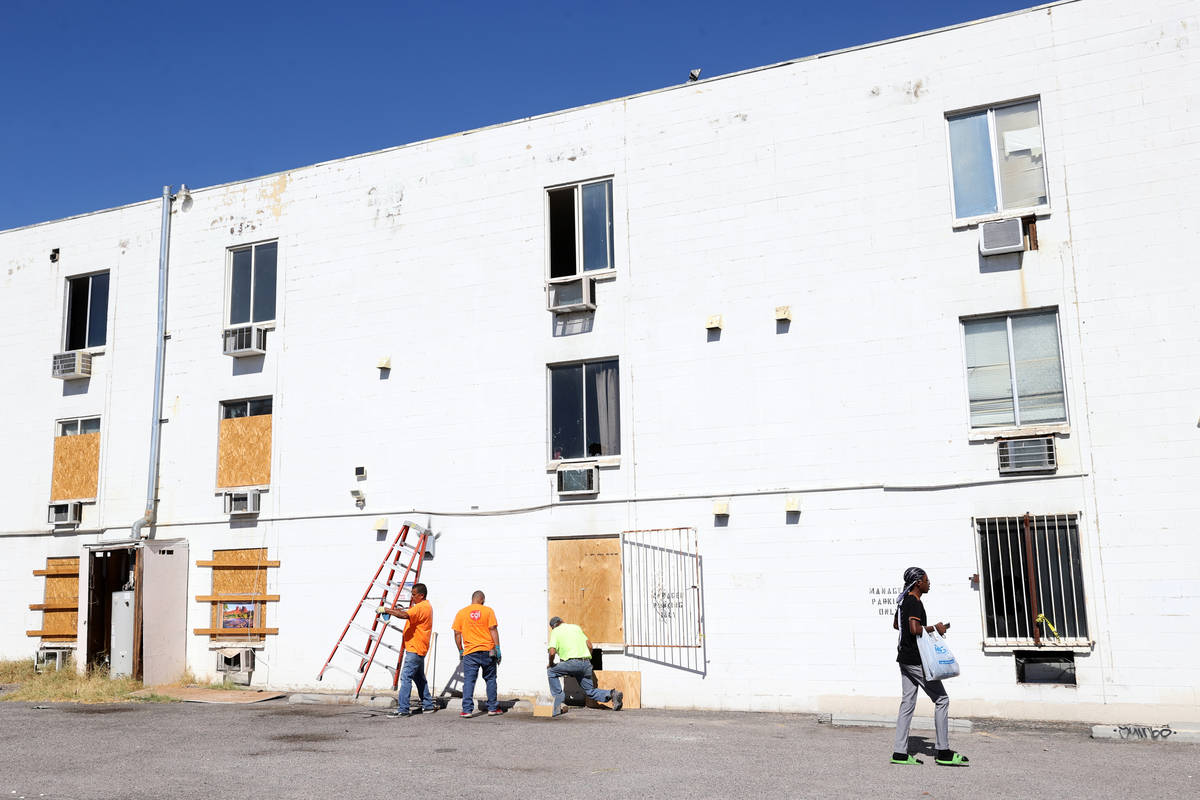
[[822, 185]]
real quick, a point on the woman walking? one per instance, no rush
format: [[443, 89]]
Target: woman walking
[[910, 621]]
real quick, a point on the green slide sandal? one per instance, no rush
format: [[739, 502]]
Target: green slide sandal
[[903, 758], [949, 758]]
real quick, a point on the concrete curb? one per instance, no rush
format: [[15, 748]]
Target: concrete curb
[[370, 701], [885, 721], [1186, 732], [388, 701]]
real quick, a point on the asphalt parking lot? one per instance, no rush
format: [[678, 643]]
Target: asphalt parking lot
[[277, 750]]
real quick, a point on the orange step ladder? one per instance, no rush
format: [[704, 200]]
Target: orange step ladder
[[391, 592]]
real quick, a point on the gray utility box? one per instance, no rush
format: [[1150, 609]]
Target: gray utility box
[[120, 643]]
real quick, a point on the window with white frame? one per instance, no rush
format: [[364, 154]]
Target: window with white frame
[[585, 410], [1014, 370], [235, 409], [251, 286], [997, 160], [87, 312], [75, 427], [580, 228], [1031, 581]]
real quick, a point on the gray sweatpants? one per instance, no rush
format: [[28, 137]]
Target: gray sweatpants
[[912, 676]]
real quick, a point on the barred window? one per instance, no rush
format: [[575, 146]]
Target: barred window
[[1031, 581]]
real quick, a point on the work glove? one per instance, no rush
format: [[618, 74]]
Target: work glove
[[496, 654], [382, 611]]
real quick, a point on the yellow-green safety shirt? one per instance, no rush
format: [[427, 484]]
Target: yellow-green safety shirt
[[569, 641]]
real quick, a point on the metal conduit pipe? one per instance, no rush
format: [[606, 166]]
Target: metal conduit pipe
[[149, 515]]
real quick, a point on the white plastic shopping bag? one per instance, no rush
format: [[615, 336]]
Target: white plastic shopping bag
[[936, 659]]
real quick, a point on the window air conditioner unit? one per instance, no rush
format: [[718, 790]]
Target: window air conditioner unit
[[577, 480], [65, 513], [245, 340], [236, 667], [72, 366], [1005, 236], [242, 503], [1026, 455], [571, 294]]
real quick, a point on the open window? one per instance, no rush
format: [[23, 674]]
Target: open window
[[997, 161], [87, 312], [580, 228]]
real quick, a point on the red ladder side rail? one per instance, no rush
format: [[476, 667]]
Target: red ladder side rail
[[393, 549], [412, 568], [376, 635]]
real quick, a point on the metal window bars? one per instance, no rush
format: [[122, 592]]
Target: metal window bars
[[662, 591], [1031, 581]]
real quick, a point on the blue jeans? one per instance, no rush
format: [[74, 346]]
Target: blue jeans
[[412, 670], [581, 670], [471, 664]]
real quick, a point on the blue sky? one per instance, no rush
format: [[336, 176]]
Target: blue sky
[[104, 102]]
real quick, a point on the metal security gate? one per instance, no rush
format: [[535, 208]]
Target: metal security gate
[[1031, 581], [662, 589]]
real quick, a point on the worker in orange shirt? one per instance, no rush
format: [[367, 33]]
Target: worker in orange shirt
[[417, 630], [477, 635]]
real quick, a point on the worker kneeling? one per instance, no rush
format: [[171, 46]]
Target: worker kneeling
[[574, 651]]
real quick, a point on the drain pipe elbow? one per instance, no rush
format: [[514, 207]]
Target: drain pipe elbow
[[141, 523]]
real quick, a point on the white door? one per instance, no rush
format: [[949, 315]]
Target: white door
[[164, 610]]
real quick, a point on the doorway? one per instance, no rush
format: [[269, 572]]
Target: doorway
[[109, 572]]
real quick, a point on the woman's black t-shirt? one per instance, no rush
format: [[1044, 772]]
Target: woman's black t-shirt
[[907, 652]]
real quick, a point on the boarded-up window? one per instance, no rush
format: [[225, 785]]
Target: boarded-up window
[[239, 594], [244, 443], [585, 585], [60, 600], [76, 461]]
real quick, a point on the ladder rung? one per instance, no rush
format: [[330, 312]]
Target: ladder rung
[[372, 633], [350, 649]]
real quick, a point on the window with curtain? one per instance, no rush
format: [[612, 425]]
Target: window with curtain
[[1014, 370], [585, 410], [252, 283], [996, 160]]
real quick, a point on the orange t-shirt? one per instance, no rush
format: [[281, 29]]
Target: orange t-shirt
[[474, 623], [418, 628]]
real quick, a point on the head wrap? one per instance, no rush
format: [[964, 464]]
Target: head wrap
[[555, 622], [912, 576]]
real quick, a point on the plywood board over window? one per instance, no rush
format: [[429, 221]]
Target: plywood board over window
[[244, 452], [239, 595], [60, 600], [584, 585], [76, 467]]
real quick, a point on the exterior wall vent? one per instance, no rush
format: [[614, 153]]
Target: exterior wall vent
[[1026, 455]]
